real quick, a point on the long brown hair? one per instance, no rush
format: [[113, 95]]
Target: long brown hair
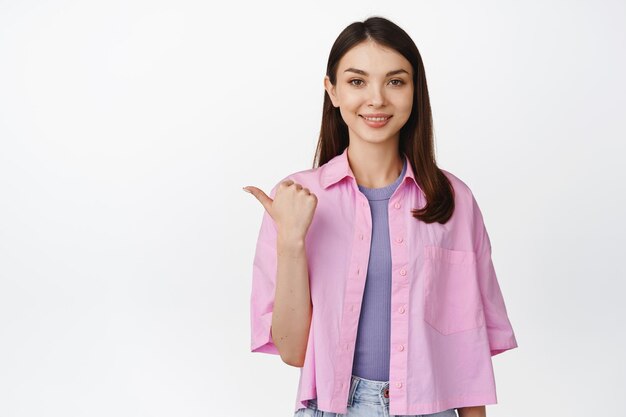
[[416, 136]]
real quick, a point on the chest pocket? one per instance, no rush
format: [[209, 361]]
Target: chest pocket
[[451, 293]]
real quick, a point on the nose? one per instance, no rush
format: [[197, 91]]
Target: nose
[[377, 97]]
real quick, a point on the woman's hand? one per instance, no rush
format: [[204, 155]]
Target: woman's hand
[[292, 208]]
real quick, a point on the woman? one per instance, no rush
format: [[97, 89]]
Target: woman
[[373, 269]]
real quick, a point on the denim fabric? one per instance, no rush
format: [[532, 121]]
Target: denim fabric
[[366, 399]]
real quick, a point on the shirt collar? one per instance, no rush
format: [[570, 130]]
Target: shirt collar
[[338, 168]]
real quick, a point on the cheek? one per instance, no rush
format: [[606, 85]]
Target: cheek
[[407, 101], [406, 107], [351, 103], [349, 114]]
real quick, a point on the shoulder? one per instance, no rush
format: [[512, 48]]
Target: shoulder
[[461, 189], [309, 178], [306, 177], [468, 212], [464, 200]]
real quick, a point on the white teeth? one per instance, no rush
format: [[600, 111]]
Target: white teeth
[[376, 119]]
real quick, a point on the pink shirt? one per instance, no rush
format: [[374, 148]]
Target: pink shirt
[[448, 316]]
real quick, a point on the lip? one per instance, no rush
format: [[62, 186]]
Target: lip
[[374, 124], [376, 115]]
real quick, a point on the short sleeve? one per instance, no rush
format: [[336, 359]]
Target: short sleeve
[[499, 330], [264, 285]]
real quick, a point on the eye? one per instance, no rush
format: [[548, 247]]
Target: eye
[[398, 82]]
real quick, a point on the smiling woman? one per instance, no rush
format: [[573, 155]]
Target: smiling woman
[[387, 84], [372, 270]]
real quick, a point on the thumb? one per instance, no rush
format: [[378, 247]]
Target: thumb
[[261, 196]]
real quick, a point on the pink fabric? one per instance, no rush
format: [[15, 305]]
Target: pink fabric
[[448, 313]]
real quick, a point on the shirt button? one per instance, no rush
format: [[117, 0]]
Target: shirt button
[[397, 205], [403, 272], [399, 240], [361, 236], [401, 310], [401, 347], [399, 384], [358, 271]]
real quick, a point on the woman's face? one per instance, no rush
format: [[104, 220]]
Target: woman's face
[[372, 79]]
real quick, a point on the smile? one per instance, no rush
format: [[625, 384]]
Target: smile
[[376, 121]]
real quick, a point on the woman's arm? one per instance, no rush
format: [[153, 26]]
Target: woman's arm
[[291, 320], [478, 411]]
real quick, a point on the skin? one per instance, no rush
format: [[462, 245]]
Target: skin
[[479, 411], [364, 86]]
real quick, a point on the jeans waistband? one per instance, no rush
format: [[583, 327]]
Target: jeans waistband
[[357, 382], [365, 388]]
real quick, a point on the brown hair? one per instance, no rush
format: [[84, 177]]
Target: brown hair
[[416, 136]]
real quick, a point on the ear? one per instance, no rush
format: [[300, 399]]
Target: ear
[[330, 89]]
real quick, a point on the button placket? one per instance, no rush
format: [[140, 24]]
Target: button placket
[[353, 294], [400, 300]]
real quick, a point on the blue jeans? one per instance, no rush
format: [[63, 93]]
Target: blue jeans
[[367, 398]]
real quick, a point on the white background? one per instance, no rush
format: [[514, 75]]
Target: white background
[[127, 129]]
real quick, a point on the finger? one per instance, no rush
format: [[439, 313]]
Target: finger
[[263, 198]]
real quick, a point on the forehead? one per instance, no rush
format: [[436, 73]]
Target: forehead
[[373, 58]]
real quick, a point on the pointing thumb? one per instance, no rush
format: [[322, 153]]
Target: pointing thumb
[[261, 196]]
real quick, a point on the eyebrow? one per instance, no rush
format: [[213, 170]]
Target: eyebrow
[[358, 71]]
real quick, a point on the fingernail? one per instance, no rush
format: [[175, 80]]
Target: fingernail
[[246, 190]]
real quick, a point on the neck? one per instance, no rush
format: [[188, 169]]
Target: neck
[[375, 166]]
